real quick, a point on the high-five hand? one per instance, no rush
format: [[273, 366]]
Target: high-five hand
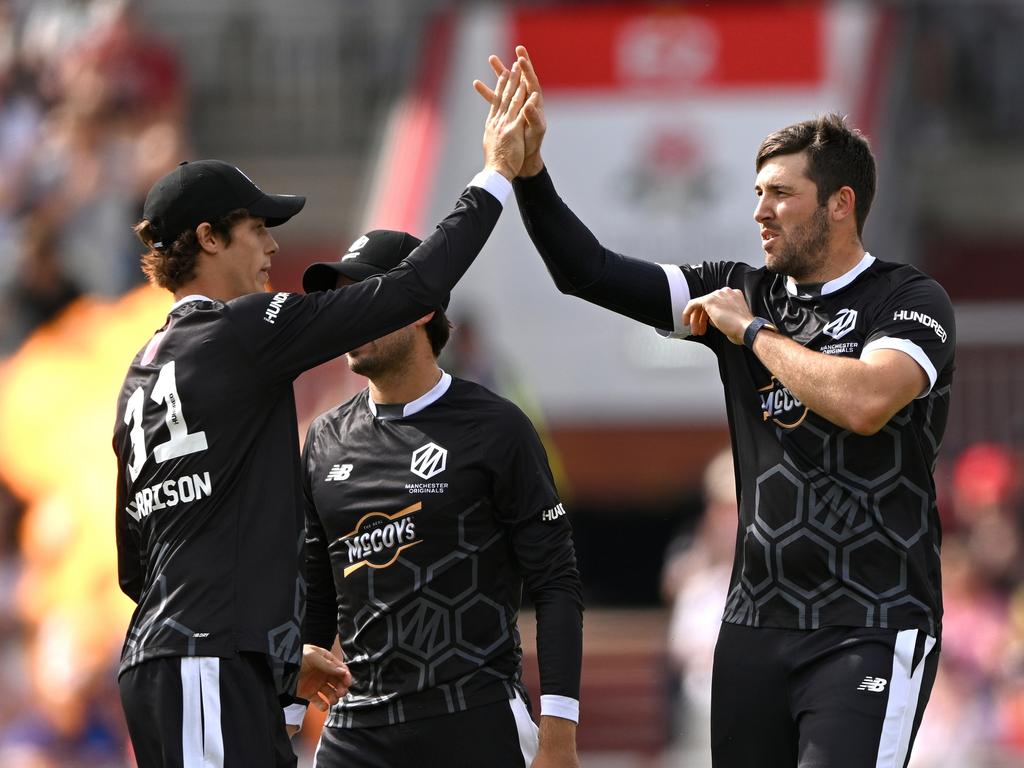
[[504, 142], [536, 122]]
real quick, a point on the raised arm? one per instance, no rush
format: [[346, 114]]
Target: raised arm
[[577, 262]]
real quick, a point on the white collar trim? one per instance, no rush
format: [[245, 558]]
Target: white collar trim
[[421, 402], [840, 282], [187, 299]]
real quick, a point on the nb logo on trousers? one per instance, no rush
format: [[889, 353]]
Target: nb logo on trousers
[[873, 684]]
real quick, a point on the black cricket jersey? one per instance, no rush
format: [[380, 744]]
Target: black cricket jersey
[[422, 531], [209, 520], [835, 528]]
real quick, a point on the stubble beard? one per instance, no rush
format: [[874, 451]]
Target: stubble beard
[[385, 357], [804, 250]]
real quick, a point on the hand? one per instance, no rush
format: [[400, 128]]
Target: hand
[[536, 123], [504, 142], [557, 744], [323, 677], [726, 309]]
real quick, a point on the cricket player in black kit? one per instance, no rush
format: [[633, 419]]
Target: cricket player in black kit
[[429, 506], [837, 369], [209, 516]]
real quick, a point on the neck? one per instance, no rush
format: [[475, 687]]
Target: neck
[[407, 382], [841, 258]]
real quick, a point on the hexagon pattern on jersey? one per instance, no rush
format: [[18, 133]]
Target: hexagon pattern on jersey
[[435, 634], [828, 540]]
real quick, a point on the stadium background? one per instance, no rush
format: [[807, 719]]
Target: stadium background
[[365, 106]]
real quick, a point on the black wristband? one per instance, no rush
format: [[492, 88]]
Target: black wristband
[[754, 328]]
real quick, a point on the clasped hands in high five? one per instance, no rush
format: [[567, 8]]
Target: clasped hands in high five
[[515, 124]]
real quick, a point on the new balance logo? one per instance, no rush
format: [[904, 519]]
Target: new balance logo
[[873, 684], [338, 472]]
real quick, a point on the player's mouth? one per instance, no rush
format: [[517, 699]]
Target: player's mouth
[[768, 236]]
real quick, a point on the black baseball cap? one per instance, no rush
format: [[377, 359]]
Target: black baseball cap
[[206, 190], [372, 254]]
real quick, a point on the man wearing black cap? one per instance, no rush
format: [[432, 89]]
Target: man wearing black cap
[[209, 515], [429, 505]]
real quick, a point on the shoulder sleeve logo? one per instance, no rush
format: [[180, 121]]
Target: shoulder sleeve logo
[[429, 460], [844, 322]]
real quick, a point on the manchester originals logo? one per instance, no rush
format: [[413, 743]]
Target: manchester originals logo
[[378, 538], [844, 322], [781, 406], [429, 460]]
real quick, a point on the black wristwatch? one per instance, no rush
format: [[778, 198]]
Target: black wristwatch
[[754, 328]]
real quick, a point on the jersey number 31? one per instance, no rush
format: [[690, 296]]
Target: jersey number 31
[[182, 442]]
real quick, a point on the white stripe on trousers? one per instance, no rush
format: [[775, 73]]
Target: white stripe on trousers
[[202, 743], [528, 736], [904, 694]]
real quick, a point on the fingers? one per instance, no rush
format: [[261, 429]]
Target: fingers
[[531, 110], [497, 93], [510, 88], [484, 91], [695, 316], [529, 73], [496, 64], [518, 98]]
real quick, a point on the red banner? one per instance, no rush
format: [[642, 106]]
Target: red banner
[[674, 47]]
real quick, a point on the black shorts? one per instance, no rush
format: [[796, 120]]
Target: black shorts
[[837, 697], [189, 711], [499, 735]]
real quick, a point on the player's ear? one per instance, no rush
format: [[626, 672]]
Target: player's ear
[[842, 204], [424, 320], [207, 238]]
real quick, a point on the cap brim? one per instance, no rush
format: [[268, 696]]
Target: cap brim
[[276, 209], [323, 276]]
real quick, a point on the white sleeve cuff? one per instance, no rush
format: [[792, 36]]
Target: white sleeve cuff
[[560, 706], [679, 292], [494, 183], [908, 348], [294, 714]]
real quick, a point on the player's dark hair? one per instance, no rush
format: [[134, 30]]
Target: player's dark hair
[[438, 330], [837, 156], [173, 266]]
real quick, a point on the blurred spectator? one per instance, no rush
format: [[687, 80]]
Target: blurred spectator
[[695, 581], [38, 290]]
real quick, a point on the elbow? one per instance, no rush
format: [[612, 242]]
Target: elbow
[[866, 421]]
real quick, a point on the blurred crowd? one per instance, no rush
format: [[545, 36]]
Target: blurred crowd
[[92, 109], [92, 112], [976, 713]]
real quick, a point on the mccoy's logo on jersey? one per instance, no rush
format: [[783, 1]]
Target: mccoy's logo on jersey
[[781, 406], [923, 319], [429, 460], [844, 322], [378, 538]]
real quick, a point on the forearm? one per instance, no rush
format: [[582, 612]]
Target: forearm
[[559, 651], [581, 266], [846, 391], [557, 738], [445, 255]]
